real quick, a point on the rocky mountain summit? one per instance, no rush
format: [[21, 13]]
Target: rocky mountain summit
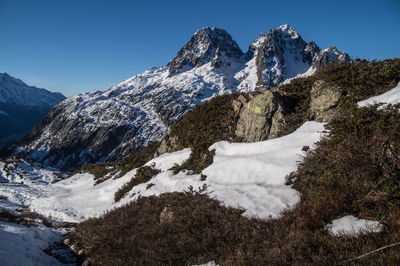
[[206, 45], [22, 106], [106, 126]]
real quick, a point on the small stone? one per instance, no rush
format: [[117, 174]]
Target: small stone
[[166, 216], [67, 241]]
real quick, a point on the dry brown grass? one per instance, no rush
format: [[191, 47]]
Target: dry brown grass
[[356, 170]]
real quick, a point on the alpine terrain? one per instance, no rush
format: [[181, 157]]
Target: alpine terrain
[[22, 106], [284, 155], [107, 125]]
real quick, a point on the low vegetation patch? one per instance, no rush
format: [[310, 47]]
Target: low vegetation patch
[[211, 122], [359, 80], [353, 171], [143, 175], [26, 218], [105, 171], [101, 171], [136, 160]]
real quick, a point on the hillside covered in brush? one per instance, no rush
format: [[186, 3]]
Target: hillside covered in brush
[[351, 173]]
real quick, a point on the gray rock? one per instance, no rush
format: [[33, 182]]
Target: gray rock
[[67, 241], [167, 145], [262, 117], [166, 215], [205, 45], [324, 99]]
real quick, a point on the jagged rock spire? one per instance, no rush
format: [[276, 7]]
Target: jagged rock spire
[[203, 47]]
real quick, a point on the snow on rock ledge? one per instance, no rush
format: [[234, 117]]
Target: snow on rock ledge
[[352, 226]]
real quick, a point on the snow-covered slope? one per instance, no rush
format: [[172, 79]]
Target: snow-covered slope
[[14, 91], [243, 175], [22, 245], [389, 97], [22, 106], [101, 126]]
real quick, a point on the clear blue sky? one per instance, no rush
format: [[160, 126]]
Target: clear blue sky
[[76, 46]]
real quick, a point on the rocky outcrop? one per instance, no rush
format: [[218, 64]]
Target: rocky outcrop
[[168, 144], [167, 216], [282, 54], [324, 99], [207, 44], [262, 117], [324, 57]]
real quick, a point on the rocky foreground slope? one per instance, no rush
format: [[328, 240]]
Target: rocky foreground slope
[[106, 126]]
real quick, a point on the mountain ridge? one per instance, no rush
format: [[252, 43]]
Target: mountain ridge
[[106, 126], [22, 106]]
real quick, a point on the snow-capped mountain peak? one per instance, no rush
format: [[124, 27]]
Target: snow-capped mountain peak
[[202, 48], [15, 92], [6, 78], [22, 106], [286, 29], [106, 126]]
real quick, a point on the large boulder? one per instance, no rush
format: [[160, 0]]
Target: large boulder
[[324, 99], [262, 117]]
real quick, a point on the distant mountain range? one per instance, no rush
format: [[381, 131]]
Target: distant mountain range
[[22, 106], [107, 125]]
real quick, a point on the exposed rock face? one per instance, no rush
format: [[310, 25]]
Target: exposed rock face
[[262, 117], [324, 99], [167, 145], [282, 55], [207, 44], [324, 57], [106, 126]]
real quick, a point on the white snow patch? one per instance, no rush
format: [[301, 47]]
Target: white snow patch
[[252, 175], [78, 198], [352, 226], [21, 245], [243, 175], [389, 97], [211, 263]]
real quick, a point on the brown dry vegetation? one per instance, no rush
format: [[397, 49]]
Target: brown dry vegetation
[[143, 175], [359, 80], [26, 218], [214, 121], [356, 170]]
